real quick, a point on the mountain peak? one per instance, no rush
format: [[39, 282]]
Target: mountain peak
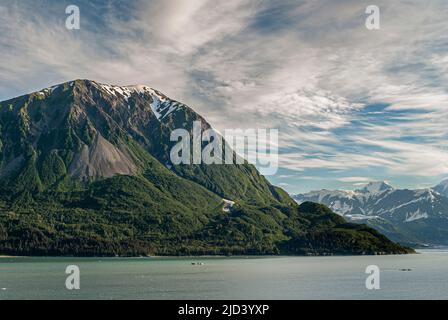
[[126, 95], [126, 90], [114, 90], [376, 187], [83, 127]]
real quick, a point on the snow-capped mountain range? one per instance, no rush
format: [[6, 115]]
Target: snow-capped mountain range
[[411, 216]]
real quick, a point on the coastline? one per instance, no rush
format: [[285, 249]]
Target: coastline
[[193, 257]]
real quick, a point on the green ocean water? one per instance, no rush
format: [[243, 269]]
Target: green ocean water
[[425, 277]]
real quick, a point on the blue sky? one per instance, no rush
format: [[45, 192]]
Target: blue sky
[[352, 105]]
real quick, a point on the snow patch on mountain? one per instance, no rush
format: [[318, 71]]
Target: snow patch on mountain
[[341, 207], [376, 187], [361, 217], [161, 105], [47, 91], [417, 215]]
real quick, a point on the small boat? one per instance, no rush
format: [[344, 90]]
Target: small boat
[[197, 263]]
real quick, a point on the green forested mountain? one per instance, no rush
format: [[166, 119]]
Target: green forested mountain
[[85, 170]]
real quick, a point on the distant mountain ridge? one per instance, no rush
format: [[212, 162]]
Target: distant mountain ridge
[[85, 170], [409, 216]]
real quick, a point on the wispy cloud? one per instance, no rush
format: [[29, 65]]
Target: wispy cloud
[[348, 101]]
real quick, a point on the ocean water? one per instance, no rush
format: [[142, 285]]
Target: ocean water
[[228, 278]]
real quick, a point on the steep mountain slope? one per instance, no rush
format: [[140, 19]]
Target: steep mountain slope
[[407, 216], [442, 188], [85, 170]]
